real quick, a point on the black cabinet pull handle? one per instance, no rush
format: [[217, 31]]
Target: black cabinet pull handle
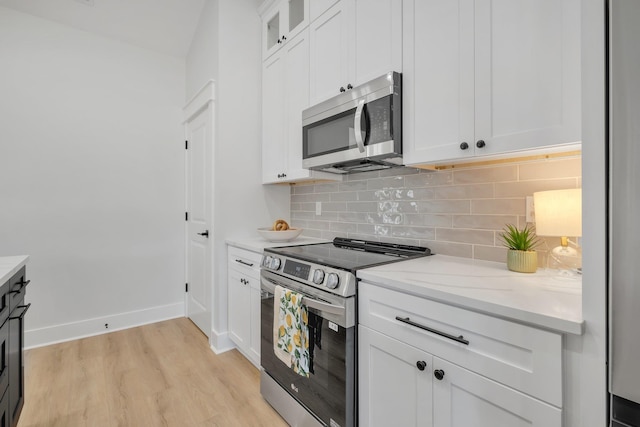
[[342, 89], [421, 364], [349, 86], [205, 234], [249, 264], [480, 144], [439, 374], [408, 321], [22, 285], [464, 146], [25, 307]]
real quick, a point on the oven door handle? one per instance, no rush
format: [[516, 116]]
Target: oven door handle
[[308, 301]]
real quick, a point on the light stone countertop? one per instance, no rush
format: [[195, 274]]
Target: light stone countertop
[[540, 299], [9, 265], [257, 244]]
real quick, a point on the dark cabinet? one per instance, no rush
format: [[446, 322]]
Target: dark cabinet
[[12, 311]]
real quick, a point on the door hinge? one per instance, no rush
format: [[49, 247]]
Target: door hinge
[[186, 145], [186, 216], [186, 287]]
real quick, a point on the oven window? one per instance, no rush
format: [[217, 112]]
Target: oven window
[[329, 391], [332, 134]]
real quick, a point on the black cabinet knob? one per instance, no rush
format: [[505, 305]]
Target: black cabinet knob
[[284, 38], [421, 364], [439, 374], [464, 146], [279, 41], [349, 86], [342, 89], [480, 144]]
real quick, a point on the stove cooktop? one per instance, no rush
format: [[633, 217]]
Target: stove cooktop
[[332, 266], [352, 254]]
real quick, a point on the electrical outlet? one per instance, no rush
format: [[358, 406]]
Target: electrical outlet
[[530, 210], [318, 208]]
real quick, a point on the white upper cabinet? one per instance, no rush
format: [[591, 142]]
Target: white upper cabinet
[[285, 93], [328, 53], [282, 22], [353, 42], [489, 77], [375, 39]]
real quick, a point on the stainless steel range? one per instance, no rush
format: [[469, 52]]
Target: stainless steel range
[[325, 274]]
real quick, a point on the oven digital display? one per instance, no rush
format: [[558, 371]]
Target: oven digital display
[[297, 269]]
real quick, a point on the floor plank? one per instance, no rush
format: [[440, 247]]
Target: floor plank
[[163, 374]]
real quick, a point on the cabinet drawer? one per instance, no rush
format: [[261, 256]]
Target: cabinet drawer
[[522, 357], [244, 261]]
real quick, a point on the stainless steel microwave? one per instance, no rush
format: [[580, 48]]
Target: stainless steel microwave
[[356, 131]]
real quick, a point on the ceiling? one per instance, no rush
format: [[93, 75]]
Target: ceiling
[[165, 26]]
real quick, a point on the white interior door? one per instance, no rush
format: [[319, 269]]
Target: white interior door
[[199, 233]]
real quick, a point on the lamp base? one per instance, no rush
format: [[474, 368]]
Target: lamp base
[[566, 261]]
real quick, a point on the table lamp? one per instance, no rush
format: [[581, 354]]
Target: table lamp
[[559, 213]]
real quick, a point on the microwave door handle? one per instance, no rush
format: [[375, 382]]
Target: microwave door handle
[[356, 125]]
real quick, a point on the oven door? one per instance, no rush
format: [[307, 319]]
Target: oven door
[[329, 391]]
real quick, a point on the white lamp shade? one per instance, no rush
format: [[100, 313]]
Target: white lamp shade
[[558, 212]]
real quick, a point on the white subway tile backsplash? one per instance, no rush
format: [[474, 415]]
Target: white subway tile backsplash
[[481, 237], [429, 179], [486, 174], [484, 222], [472, 191], [458, 212]]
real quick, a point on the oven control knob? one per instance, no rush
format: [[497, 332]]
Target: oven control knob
[[318, 277], [275, 263], [333, 280], [266, 261]]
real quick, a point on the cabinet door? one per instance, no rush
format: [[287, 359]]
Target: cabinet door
[[329, 53], [296, 99], [272, 31], [438, 79], [239, 309], [274, 154], [462, 398], [527, 73], [281, 23], [375, 39], [393, 391]]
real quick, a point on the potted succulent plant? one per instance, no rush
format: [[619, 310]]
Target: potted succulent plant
[[521, 256]]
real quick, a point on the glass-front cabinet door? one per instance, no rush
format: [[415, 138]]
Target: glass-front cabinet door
[[282, 22]]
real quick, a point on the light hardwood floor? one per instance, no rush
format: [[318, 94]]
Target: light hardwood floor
[[163, 374]]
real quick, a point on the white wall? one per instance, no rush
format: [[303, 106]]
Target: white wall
[[202, 59], [242, 203], [91, 177]]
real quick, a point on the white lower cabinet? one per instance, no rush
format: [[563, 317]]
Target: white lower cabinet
[[395, 382], [425, 363], [243, 280], [462, 398]]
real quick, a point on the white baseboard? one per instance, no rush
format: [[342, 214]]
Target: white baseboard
[[96, 326], [220, 342]]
